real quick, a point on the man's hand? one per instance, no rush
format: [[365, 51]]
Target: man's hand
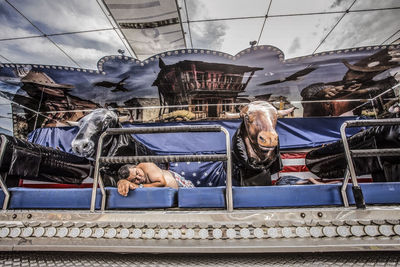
[[124, 186]]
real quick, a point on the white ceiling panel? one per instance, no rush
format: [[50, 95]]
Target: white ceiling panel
[[182, 10], [229, 36], [187, 34], [297, 36], [222, 9], [286, 7], [363, 29], [142, 10], [373, 4], [150, 27], [152, 41]]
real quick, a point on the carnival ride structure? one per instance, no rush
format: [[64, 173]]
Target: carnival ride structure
[[168, 75]]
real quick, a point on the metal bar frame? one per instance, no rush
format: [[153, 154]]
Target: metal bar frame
[[167, 158], [344, 187], [350, 172], [3, 177]]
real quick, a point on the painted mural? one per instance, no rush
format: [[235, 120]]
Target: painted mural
[[195, 84]]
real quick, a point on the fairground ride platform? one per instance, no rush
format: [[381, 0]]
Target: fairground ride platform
[[327, 229]]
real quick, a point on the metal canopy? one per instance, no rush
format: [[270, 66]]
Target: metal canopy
[[78, 33]]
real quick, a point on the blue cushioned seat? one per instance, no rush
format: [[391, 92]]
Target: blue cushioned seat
[[202, 197], [311, 195], [380, 193], [36, 198], [286, 196], [142, 198]]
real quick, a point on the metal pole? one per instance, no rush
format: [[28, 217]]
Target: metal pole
[[229, 194], [96, 173], [2, 182], [103, 193], [344, 187], [357, 192]]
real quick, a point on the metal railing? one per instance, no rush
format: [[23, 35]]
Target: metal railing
[[161, 158], [350, 172]]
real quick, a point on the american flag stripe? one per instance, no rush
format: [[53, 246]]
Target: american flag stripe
[[296, 161], [294, 168], [303, 175], [294, 165], [87, 183], [293, 155]]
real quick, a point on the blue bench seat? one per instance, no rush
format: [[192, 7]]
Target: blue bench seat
[[201, 197], [142, 198], [312, 195], [286, 196], [38, 198]]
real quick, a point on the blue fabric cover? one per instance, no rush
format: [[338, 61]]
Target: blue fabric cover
[[142, 198], [34, 198], [293, 133], [202, 174], [312, 195], [55, 137], [212, 197]]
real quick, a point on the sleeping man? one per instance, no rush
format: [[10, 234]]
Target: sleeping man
[[147, 174]]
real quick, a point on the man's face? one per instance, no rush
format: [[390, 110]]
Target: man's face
[[136, 175]]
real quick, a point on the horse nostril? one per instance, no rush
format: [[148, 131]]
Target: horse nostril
[[269, 139]]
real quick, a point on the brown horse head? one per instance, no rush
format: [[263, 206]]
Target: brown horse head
[[259, 122]]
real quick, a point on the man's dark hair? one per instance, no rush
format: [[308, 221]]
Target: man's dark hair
[[123, 172]]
